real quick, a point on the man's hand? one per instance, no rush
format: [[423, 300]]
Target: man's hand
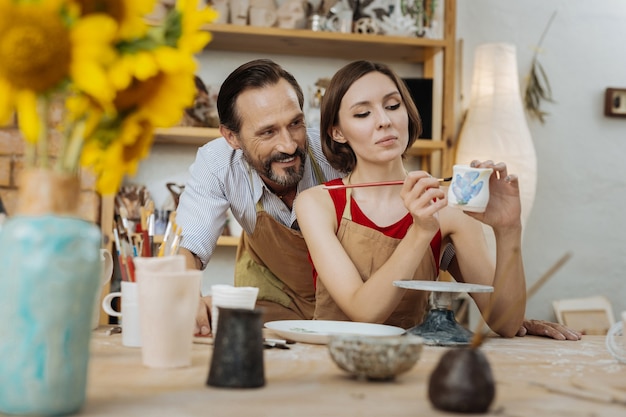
[[203, 317], [548, 329]]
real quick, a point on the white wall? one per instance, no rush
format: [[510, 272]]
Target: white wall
[[581, 192]]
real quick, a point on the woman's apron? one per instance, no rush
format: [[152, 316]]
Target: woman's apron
[[275, 259], [369, 249]]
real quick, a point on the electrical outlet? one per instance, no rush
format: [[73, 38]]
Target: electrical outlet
[[615, 102]]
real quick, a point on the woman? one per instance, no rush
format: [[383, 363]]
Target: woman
[[360, 240]]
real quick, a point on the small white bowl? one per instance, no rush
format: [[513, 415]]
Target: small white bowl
[[375, 357]]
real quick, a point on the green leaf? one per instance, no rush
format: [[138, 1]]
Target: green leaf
[[173, 28]]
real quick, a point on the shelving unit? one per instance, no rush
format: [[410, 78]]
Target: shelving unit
[[302, 42], [198, 136], [435, 155], [221, 241]]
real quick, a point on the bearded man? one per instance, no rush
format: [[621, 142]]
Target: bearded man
[[264, 159]]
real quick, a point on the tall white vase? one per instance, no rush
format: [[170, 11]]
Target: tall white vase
[[495, 127]]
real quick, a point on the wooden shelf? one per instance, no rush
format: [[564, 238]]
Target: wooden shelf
[[426, 147], [228, 241], [302, 42], [221, 241], [198, 136]]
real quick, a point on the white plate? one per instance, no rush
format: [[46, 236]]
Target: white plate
[[319, 331], [443, 286]]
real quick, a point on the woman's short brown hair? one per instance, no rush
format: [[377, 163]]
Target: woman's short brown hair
[[340, 155]]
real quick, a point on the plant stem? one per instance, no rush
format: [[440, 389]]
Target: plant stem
[[41, 158], [543, 35], [74, 147]]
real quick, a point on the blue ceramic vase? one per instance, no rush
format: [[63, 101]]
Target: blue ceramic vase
[[49, 276]]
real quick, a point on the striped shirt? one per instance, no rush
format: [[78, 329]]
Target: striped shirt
[[221, 179]]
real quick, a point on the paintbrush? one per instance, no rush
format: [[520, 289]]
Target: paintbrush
[[151, 226], [171, 224], [373, 184], [123, 211], [173, 250]]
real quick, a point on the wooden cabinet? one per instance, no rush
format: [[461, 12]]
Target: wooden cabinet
[[436, 55]]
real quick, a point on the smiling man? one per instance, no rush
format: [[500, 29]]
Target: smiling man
[[264, 159]]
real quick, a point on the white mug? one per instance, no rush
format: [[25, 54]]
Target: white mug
[[616, 339], [239, 12], [262, 17], [222, 8], [106, 261], [131, 330], [469, 189], [228, 296]]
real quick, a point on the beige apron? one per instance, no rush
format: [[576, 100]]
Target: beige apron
[[369, 249], [275, 259]]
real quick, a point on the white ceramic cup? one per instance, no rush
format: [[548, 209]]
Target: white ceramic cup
[[129, 314], [106, 261], [228, 296], [168, 302], [469, 189], [616, 339], [239, 12], [262, 17], [222, 8]]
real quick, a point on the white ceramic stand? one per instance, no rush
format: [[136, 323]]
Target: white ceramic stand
[[440, 327]]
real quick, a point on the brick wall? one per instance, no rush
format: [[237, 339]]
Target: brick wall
[[12, 163]]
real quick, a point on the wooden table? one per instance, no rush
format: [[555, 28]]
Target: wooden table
[[303, 381]]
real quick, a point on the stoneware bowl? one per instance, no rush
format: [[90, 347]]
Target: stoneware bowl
[[375, 357]]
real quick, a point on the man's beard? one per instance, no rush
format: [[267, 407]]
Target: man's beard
[[292, 175]]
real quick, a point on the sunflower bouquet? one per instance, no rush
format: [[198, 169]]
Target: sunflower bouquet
[[117, 76]]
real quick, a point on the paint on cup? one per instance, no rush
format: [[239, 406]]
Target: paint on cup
[[469, 189]]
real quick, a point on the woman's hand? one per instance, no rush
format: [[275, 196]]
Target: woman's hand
[[423, 198], [548, 329], [504, 209]]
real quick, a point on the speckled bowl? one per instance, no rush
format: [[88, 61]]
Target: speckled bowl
[[375, 357]]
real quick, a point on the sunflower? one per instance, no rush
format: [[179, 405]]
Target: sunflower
[[119, 77], [156, 92], [40, 51], [192, 39], [127, 14], [132, 142]]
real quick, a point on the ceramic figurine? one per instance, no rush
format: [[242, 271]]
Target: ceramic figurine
[[203, 112], [397, 24]]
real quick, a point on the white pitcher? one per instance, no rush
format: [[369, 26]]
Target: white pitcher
[[616, 339], [105, 276]]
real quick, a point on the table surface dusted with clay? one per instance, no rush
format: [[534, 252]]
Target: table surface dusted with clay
[[534, 376]]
